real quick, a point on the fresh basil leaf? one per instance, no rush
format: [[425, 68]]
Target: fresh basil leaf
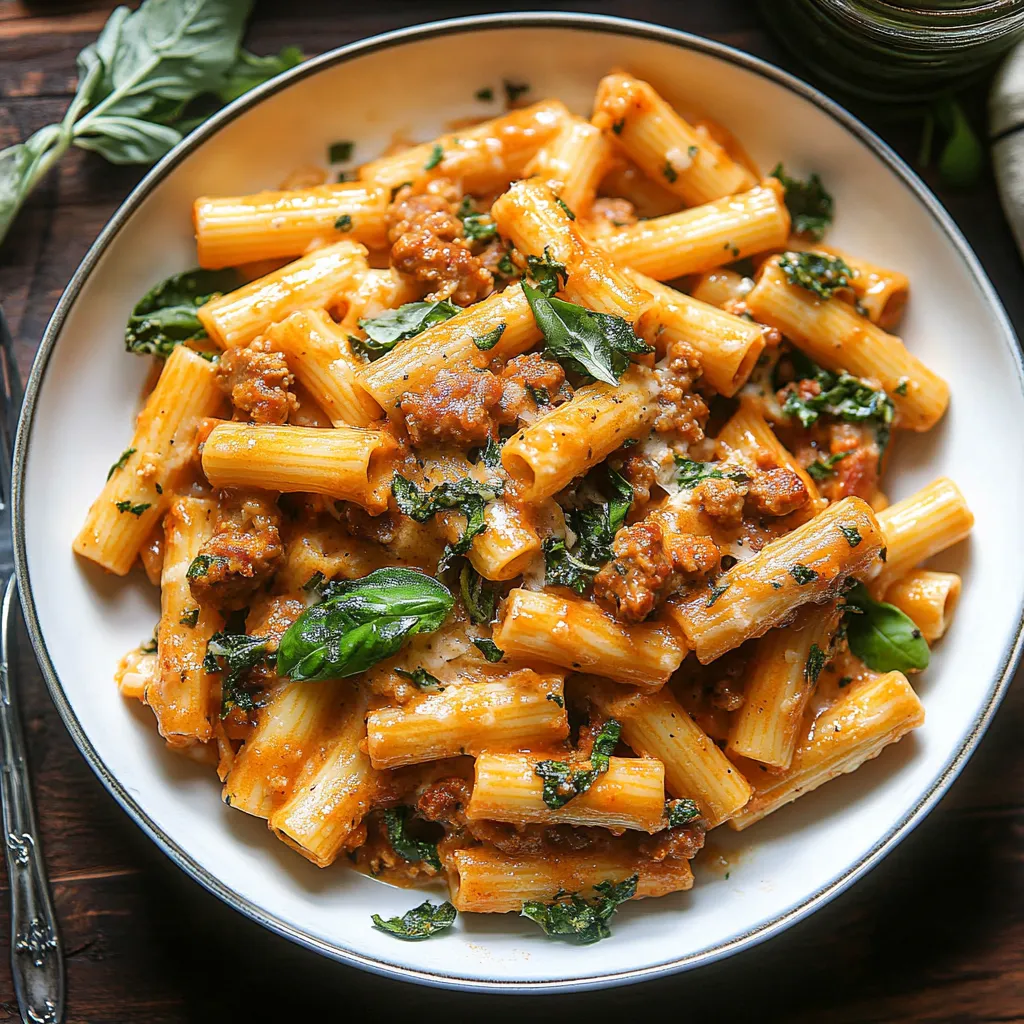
[[815, 663], [436, 156], [419, 923], [563, 569], [490, 454], [360, 622], [412, 850], [394, 325], [681, 812], [802, 574], [578, 920], [809, 205], [489, 649], [200, 566], [596, 345], [166, 315], [477, 595], [882, 636], [128, 140], [817, 272]]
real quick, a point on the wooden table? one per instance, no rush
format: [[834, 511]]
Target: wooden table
[[936, 933]]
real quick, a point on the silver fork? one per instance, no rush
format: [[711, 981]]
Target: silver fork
[[37, 961]]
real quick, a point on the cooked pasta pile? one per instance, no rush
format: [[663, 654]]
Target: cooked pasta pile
[[487, 556]]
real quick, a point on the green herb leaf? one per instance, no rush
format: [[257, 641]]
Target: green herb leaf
[[548, 274], [485, 342], [716, 593], [578, 920], [847, 398], [485, 95], [822, 469], [815, 663], [343, 223], [122, 460], [563, 569], [565, 208], [477, 594], [394, 325], [200, 566], [189, 618], [479, 227], [809, 205], [802, 574], [882, 636], [249, 70], [419, 923], [236, 654], [562, 782], [556, 698], [824, 275], [166, 315], [596, 345], [670, 172], [489, 649], [852, 535], [421, 679], [360, 622], [962, 159], [136, 510], [513, 90], [315, 583], [412, 850], [467, 496], [341, 151], [436, 156], [490, 454], [690, 474], [681, 812]]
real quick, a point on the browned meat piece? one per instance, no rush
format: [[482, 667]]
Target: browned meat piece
[[722, 500], [681, 410], [257, 382], [427, 244], [244, 552], [618, 212], [681, 843], [776, 492], [427, 212], [532, 371], [856, 474], [641, 475], [648, 566], [445, 801], [459, 407]]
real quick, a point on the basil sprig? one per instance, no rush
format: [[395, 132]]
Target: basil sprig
[[419, 923], [384, 332], [882, 636], [153, 75], [360, 622]]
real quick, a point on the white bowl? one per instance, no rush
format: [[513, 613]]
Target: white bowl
[[84, 391]]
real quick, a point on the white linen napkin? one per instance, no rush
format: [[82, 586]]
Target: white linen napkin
[[1006, 129]]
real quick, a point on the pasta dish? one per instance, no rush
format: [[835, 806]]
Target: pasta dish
[[516, 506]]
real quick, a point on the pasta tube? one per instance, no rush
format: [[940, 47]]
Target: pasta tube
[[486, 881], [577, 635], [866, 719], [703, 237], [268, 225], [809, 564], [671, 151], [927, 598], [314, 281], [835, 335], [140, 485], [630, 794], [344, 462]]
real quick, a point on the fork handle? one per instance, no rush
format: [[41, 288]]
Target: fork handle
[[37, 962]]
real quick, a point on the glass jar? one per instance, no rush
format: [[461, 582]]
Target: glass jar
[[887, 51]]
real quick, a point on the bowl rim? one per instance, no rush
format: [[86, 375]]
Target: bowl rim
[[489, 22]]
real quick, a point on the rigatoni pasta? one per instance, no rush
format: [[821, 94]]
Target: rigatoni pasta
[[440, 507]]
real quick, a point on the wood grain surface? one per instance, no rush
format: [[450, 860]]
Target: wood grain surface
[[936, 933]]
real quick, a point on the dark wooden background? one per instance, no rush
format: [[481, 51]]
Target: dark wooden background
[[936, 933]]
